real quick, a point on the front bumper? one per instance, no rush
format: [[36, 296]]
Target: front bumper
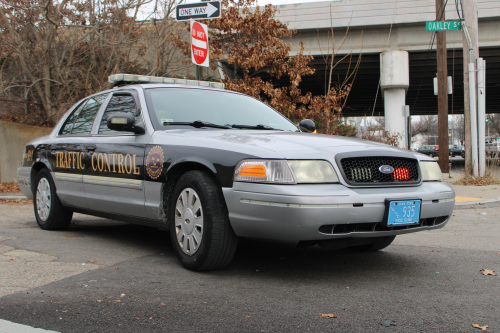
[[321, 212]]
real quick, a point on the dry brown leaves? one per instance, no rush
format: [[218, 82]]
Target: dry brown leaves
[[488, 179], [16, 201], [10, 187], [327, 315], [253, 42], [482, 328], [488, 272]]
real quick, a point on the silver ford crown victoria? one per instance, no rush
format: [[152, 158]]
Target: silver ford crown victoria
[[212, 165]]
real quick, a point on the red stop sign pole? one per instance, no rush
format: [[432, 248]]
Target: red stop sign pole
[[199, 44]]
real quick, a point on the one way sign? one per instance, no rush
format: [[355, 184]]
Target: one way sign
[[198, 11]]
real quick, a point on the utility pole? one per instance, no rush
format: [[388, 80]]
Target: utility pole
[[442, 76], [470, 20]]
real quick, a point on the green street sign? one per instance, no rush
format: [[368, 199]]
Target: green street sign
[[443, 25]]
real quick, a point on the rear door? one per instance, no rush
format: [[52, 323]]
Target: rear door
[[67, 152], [114, 175]]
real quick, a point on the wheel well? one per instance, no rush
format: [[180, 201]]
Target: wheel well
[[173, 176], [35, 169]]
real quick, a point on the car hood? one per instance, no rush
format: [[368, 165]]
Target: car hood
[[269, 144]]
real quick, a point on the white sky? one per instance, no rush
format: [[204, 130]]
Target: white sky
[[146, 10], [285, 2], [274, 2]]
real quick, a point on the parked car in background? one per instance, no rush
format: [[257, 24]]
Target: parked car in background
[[492, 148], [431, 150], [456, 151]]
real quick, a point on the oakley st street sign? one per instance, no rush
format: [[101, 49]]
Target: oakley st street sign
[[198, 11], [443, 25]]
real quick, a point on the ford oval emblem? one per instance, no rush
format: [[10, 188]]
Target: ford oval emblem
[[386, 169]]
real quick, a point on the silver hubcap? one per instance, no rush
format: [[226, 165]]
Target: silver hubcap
[[43, 199], [189, 221]]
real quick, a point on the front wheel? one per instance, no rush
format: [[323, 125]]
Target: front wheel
[[201, 234], [49, 212], [380, 244]]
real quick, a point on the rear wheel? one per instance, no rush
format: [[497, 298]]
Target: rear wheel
[[380, 244], [201, 234], [49, 212]]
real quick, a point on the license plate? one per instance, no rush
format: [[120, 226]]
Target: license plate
[[403, 212]]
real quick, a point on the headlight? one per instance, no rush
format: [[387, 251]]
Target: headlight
[[430, 171], [313, 171], [285, 172]]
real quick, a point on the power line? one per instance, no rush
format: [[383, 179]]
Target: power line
[[431, 44]]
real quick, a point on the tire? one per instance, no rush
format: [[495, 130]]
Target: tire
[[49, 212], [201, 233], [379, 245]]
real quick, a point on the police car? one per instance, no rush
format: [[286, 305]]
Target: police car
[[213, 165]]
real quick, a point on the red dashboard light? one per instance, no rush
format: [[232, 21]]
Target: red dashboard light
[[401, 174]]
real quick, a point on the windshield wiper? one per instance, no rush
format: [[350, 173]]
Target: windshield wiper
[[196, 124], [260, 127]]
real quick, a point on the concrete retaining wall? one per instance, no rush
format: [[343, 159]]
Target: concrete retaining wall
[[13, 138]]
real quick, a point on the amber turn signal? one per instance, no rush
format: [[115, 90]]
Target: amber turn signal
[[253, 170]]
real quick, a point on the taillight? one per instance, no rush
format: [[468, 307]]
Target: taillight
[[436, 148], [401, 174]]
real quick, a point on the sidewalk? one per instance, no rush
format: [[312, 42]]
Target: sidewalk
[[467, 195]]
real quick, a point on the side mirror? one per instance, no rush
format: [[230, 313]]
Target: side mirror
[[308, 126], [125, 122]]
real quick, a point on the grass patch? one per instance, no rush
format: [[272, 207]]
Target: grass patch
[[491, 176]]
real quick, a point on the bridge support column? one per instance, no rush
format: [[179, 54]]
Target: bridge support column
[[394, 81]]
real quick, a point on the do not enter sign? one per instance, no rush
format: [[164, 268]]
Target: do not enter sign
[[199, 43]]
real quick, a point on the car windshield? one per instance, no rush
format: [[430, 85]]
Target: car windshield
[[181, 106]]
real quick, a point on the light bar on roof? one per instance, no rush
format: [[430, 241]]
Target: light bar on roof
[[155, 79]]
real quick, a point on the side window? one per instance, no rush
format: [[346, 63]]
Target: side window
[[68, 125], [83, 124], [119, 103]]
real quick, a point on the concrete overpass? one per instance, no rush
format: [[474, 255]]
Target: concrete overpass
[[391, 25]]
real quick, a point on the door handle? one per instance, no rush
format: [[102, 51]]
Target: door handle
[[90, 147]]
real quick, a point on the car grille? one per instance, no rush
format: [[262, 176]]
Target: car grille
[[365, 170]]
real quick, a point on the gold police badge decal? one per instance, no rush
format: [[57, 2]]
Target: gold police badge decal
[[154, 162]]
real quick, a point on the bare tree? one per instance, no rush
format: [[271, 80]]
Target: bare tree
[[54, 53], [494, 124], [427, 125]]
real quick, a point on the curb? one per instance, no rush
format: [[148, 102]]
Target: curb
[[8, 326], [15, 197], [481, 203]]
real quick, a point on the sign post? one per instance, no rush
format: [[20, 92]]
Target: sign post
[[199, 44], [199, 32]]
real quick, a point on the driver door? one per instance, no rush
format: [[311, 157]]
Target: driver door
[[114, 176]]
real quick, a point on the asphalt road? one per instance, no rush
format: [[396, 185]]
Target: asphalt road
[[131, 281]]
